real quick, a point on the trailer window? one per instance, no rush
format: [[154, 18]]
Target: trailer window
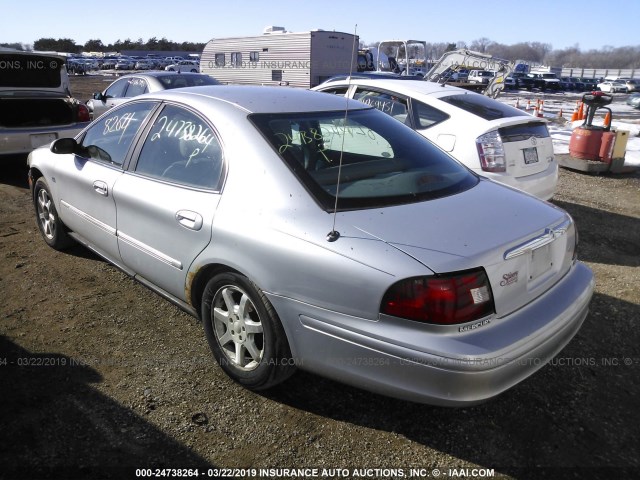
[[276, 75], [254, 56], [220, 60], [236, 59]]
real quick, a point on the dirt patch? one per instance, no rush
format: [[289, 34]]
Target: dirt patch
[[100, 376]]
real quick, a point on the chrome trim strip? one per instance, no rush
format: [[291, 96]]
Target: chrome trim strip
[[549, 235], [143, 247], [94, 221]]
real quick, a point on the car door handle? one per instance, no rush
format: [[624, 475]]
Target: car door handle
[[189, 219], [101, 187]]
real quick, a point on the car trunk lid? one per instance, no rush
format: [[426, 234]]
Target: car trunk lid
[[523, 254], [527, 146]]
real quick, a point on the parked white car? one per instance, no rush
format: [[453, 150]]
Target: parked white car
[[492, 139], [184, 66], [613, 87]]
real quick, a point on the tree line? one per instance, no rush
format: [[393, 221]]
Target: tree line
[[537, 52], [95, 45]]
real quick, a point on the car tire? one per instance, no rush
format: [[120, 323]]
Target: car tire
[[193, 70], [53, 231], [245, 333]]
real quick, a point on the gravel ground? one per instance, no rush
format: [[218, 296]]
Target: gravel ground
[[100, 376]]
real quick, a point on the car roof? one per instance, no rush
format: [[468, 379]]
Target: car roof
[[404, 86], [262, 99]]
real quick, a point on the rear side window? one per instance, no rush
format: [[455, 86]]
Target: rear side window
[[137, 86], [181, 148], [427, 116], [482, 106], [386, 102]]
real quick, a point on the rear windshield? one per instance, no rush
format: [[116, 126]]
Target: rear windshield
[[30, 71], [482, 106], [182, 80], [379, 161], [524, 131]]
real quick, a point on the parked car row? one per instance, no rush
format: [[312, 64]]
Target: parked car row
[[550, 82], [121, 62]]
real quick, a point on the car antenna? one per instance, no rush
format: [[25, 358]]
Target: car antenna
[[333, 235]]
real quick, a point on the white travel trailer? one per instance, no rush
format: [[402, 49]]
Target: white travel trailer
[[278, 57]]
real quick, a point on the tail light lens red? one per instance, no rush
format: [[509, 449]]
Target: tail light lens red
[[83, 113], [491, 152], [444, 299]]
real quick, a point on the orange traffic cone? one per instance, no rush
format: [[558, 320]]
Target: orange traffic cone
[[540, 111], [607, 120], [529, 104], [535, 111], [518, 102], [574, 115], [581, 111]]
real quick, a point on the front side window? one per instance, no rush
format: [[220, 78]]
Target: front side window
[[369, 160], [116, 90], [110, 138], [181, 148]]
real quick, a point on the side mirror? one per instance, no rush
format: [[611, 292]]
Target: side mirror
[[98, 96], [64, 146]]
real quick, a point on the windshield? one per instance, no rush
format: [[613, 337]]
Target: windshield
[[383, 162], [30, 71]]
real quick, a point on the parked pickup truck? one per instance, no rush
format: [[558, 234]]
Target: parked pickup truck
[[546, 81], [36, 106]]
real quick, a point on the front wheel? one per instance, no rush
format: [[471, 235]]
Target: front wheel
[[51, 227], [245, 333]]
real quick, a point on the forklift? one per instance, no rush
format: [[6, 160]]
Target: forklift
[[596, 148]]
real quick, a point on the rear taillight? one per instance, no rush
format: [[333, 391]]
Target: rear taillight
[[491, 152], [444, 299], [83, 113]]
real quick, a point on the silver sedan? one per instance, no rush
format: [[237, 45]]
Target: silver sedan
[[129, 86], [307, 230]]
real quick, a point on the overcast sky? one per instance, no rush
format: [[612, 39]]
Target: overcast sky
[[561, 23]]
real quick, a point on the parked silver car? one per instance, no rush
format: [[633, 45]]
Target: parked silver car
[[36, 106], [132, 85], [341, 242]]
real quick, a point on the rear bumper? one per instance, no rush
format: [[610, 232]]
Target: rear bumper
[[19, 140], [456, 370], [541, 185]]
